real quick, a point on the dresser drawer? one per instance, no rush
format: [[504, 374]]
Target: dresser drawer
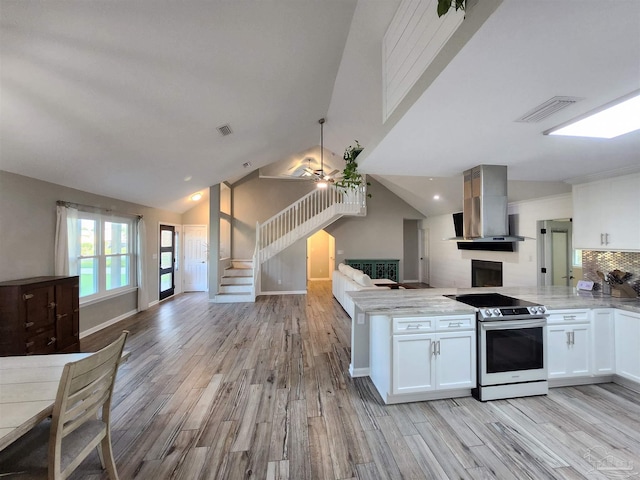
[[42, 343], [413, 324]]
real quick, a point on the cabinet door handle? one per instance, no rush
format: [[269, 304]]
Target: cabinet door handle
[[418, 326], [569, 317], [606, 239], [573, 338], [433, 348], [61, 315], [28, 325], [455, 324], [52, 305], [568, 338], [51, 341], [29, 344], [602, 239], [27, 296]]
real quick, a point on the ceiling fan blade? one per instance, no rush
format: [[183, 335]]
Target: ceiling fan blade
[[333, 173]]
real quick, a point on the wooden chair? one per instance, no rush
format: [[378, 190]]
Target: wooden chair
[[80, 422]]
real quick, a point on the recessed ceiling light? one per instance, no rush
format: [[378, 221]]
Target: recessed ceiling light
[[196, 196], [436, 197], [187, 178], [611, 120]]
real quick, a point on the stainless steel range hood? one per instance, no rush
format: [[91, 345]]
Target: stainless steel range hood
[[485, 217]]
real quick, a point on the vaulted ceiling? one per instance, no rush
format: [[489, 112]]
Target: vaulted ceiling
[[124, 98]]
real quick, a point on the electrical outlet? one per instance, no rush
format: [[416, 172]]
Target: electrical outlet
[[361, 319], [279, 282]]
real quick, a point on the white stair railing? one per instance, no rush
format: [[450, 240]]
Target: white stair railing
[[311, 213]]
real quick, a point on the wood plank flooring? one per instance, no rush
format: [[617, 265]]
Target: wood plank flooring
[[214, 391]]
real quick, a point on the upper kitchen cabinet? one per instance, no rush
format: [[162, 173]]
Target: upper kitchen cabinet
[[606, 214]]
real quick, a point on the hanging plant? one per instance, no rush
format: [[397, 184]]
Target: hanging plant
[[445, 5], [351, 178]]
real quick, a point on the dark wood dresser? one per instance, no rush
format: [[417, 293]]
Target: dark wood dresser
[[39, 315]]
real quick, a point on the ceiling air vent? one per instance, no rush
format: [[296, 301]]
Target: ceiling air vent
[[546, 109], [225, 130]]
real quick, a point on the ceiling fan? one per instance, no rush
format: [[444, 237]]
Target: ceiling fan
[[318, 175]]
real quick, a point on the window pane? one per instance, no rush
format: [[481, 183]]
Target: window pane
[[87, 237], [88, 276], [165, 282], [117, 271], [166, 259], [116, 238], [166, 238]]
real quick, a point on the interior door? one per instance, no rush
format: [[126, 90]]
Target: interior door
[[167, 261], [195, 258], [424, 255], [557, 265]]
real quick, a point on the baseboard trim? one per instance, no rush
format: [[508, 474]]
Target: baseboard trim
[[106, 324], [625, 382], [285, 292], [358, 372]]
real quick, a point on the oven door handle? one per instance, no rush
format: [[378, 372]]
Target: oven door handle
[[515, 324]]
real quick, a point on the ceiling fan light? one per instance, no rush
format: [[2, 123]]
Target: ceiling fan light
[[322, 184]]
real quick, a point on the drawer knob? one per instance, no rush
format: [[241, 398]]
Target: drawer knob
[[61, 315], [27, 296], [51, 341], [28, 325]]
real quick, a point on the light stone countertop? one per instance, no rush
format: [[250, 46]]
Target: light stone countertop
[[430, 301]]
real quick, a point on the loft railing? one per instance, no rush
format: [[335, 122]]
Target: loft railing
[[312, 212]]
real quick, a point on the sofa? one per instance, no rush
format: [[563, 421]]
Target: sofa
[[348, 279]]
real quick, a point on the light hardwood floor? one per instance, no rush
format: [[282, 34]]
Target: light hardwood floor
[[214, 391]]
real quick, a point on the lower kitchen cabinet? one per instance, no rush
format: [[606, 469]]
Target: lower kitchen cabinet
[[627, 334], [439, 357], [568, 350], [568, 343], [603, 350]]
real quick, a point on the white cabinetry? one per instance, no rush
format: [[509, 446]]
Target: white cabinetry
[[603, 341], [627, 333], [606, 214], [568, 343], [416, 358]]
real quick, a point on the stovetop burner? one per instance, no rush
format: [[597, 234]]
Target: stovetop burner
[[490, 300], [495, 306]]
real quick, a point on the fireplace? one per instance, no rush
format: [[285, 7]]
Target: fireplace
[[486, 274]]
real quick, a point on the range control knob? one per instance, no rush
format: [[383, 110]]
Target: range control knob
[[487, 312], [541, 309], [496, 312]]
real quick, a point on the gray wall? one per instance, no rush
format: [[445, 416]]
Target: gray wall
[[380, 233], [198, 215], [256, 200], [27, 231]]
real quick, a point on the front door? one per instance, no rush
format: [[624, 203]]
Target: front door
[[167, 260]]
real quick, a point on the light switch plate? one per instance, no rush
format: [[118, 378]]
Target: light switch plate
[[585, 285]]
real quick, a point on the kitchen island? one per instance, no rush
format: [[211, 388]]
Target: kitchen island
[[424, 310]]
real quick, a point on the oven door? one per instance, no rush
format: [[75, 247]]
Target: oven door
[[512, 351]]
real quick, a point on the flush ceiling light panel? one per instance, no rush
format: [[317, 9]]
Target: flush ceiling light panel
[[610, 121]]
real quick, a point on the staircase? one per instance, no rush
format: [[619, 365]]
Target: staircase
[[319, 208], [237, 283]]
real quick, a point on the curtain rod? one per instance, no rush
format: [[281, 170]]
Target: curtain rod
[[81, 206]]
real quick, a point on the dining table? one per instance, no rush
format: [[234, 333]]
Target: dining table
[[28, 388]]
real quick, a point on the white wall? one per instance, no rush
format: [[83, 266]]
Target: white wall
[[450, 267]]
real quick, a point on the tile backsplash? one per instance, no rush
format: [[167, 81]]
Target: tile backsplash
[[606, 261]]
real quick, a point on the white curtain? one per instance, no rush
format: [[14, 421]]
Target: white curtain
[[66, 252], [141, 264]]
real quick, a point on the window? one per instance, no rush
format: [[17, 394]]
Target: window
[[105, 257]]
